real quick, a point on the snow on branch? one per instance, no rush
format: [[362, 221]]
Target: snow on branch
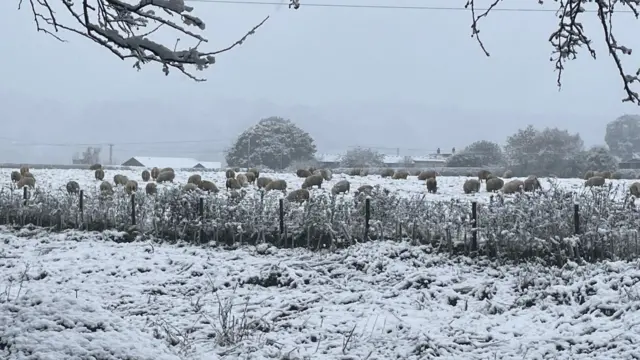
[[125, 29], [569, 37]]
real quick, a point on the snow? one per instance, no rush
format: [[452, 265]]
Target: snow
[[78, 295]]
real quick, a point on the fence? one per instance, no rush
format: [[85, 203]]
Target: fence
[[553, 226]]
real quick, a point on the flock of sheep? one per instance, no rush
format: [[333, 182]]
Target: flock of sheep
[[312, 177]]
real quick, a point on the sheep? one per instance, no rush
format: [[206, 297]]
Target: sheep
[[490, 176], [167, 169], [416, 172], [634, 189], [532, 183], [513, 186], [251, 177], [131, 186], [606, 174], [242, 179], [146, 175], [15, 176], [233, 184], [95, 167], [483, 174], [299, 195], [73, 187], [341, 187], [106, 188], [432, 185], [189, 187], [326, 174], [209, 186], [154, 173], [166, 176], [263, 182], [255, 171], [427, 175], [471, 186], [303, 173], [589, 174], [616, 175], [401, 175], [28, 174], [99, 174], [194, 179], [507, 174], [24, 169], [120, 179], [312, 169], [355, 172], [313, 180], [594, 181], [366, 189], [276, 185], [26, 181], [230, 174], [494, 184], [387, 173], [151, 188]]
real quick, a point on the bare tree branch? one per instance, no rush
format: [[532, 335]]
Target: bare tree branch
[[570, 36], [125, 29]]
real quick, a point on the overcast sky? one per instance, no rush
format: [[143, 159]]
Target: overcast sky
[[388, 78]]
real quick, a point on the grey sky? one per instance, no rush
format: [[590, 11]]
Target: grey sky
[[412, 79]]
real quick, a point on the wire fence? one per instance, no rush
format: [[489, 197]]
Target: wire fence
[[554, 226]]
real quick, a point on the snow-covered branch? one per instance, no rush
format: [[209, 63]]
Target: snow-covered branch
[[126, 29], [570, 36]]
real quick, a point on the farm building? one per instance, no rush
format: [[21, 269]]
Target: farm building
[[428, 161], [395, 161], [176, 163], [328, 160], [208, 165], [633, 163]]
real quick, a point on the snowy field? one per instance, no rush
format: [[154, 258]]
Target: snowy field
[[76, 295], [448, 187]]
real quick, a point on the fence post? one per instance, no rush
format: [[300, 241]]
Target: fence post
[[367, 214], [133, 209], [81, 206], [474, 223], [25, 194], [281, 203], [576, 219], [201, 213]]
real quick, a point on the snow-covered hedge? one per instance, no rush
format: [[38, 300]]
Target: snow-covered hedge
[[443, 171], [516, 227]]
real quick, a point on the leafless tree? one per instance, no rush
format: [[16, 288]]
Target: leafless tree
[[127, 29], [569, 37]]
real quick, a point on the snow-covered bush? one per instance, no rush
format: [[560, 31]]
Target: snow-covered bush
[[516, 227]]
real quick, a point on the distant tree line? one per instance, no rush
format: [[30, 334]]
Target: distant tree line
[[277, 143]]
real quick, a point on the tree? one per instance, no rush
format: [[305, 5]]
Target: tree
[[362, 158], [479, 154], [570, 36], [623, 136], [599, 158], [544, 152], [128, 30], [273, 142], [89, 157]]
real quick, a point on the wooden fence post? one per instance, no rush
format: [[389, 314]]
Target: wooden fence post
[[367, 215], [133, 209], [474, 224]]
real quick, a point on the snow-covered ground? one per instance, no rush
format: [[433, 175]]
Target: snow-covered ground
[[448, 187], [76, 295]]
